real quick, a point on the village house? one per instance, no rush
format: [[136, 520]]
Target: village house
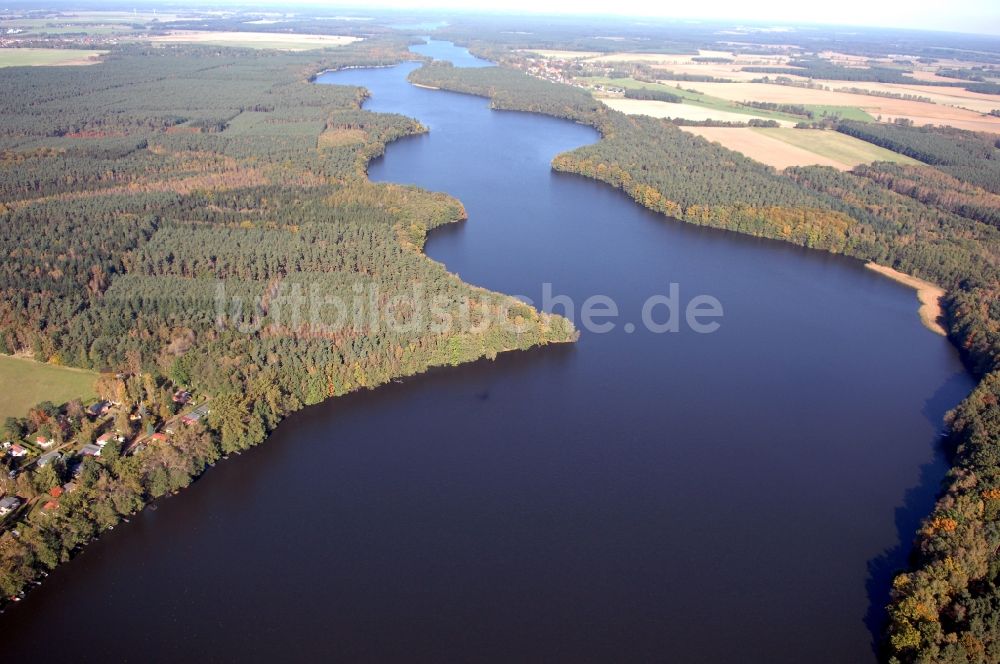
[[90, 449], [46, 459], [99, 408], [44, 442], [195, 415], [9, 504], [17, 451], [107, 437]]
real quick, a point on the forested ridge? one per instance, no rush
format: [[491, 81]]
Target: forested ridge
[[186, 217], [946, 608]]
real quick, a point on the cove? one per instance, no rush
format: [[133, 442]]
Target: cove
[[737, 496]]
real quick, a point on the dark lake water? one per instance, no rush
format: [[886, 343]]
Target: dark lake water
[[736, 496]]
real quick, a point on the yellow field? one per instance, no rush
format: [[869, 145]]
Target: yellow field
[[844, 59], [648, 58], [24, 383], [47, 57], [561, 55], [763, 148], [782, 148], [662, 109], [958, 97], [724, 70], [717, 70], [922, 75], [920, 112], [280, 41]]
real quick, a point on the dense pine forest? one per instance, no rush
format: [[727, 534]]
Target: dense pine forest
[[946, 608], [192, 217]]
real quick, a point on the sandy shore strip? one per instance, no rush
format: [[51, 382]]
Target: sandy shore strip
[[929, 295]]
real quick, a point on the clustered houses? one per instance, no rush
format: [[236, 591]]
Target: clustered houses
[[565, 71], [42, 449], [549, 70]]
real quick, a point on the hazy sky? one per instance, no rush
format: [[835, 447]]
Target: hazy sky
[[980, 16]]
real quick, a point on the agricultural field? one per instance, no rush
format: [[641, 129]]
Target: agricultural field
[[956, 106], [684, 111], [562, 55], [889, 109], [45, 26], [732, 71], [122, 16], [723, 108], [782, 147], [841, 148], [284, 42], [760, 147], [948, 96], [47, 57], [24, 383], [677, 63]]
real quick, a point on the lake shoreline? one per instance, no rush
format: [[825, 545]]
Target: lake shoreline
[[929, 295]]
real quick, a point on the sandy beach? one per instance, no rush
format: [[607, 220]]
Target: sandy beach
[[929, 295]]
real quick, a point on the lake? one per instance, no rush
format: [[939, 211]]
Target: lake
[[743, 495]]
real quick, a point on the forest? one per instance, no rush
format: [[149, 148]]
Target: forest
[[654, 95], [945, 607], [970, 157], [188, 218]]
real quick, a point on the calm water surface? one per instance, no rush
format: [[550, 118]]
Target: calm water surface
[[737, 496]]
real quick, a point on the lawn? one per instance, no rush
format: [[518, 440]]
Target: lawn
[[35, 57], [838, 147], [24, 383]]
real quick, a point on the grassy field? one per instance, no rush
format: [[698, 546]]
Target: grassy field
[[38, 57], [662, 109], [284, 42], [838, 147], [24, 383]]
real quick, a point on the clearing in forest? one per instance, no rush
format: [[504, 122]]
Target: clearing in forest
[[51, 57], [24, 383]]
